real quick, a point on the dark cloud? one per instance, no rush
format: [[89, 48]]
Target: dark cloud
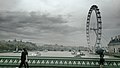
[[31, 26]]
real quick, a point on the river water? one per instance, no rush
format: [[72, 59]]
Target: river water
[[54, 54]]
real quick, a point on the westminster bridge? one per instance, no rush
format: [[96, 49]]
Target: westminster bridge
[[58, 62]]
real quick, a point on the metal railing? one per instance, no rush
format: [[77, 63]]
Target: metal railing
[[59, 62]]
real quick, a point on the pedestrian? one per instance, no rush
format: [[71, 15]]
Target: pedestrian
[[24, 57], [102, 60]]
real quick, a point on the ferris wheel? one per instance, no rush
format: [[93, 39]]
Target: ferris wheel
[[94, 29]]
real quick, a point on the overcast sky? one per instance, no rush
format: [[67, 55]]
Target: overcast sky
[[56, 21]]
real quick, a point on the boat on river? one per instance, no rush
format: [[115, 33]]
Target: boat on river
[[77, 53]]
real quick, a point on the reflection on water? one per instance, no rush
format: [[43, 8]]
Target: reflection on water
[[54, 54]]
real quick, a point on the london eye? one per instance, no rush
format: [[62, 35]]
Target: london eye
[[94, 29]]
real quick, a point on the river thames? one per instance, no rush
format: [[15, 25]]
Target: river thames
[[55, 54]]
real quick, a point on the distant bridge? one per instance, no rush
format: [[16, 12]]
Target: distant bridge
[[58, 62]]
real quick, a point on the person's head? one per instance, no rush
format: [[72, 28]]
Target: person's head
[[24, 49]]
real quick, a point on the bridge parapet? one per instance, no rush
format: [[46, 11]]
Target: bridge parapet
[[59, 62]]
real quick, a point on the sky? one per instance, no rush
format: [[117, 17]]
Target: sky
[[60, 22]]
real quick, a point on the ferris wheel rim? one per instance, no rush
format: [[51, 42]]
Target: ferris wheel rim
[[99, 25]]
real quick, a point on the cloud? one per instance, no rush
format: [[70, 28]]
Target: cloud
[[13, 21], [8, 5], [55, 21], [32, 27]]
